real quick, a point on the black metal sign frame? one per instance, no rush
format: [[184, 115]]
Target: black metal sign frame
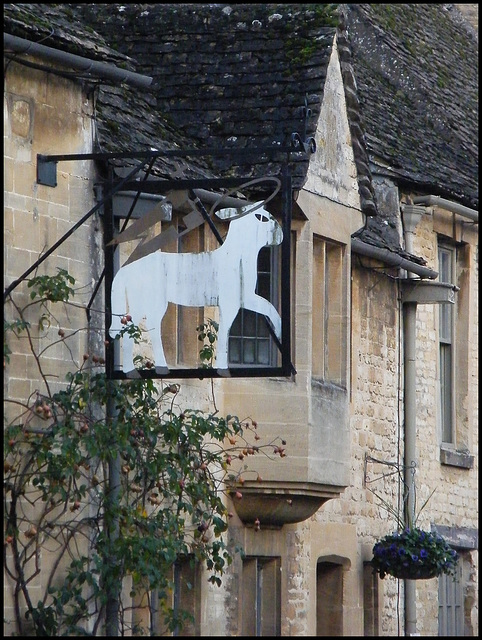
[[47, 175], [161, 187]]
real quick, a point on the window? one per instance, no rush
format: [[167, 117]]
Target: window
[[186, 599], [186, 595], [451, 609], [446, 258], [251, 341], [261, 597], [329, 321], [179, 335], [455, 353]]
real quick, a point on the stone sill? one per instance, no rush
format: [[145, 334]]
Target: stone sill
[[454, 458], [276, 503]]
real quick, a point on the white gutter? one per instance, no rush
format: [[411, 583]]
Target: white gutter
[[98, 69], [454, 207], [391, 258]]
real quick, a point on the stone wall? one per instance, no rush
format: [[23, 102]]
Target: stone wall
[[38, 106]]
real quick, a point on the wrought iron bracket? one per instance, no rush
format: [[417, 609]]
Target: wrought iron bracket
[[47, 164], [302, 142], [46, 171], [47, 176]]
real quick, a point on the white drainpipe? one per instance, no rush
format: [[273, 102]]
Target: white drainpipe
[[411, 217], [20, 46], [454, 207]]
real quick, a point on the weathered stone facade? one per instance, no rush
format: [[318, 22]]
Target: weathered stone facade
[[39, 107], [40, 110], [338, 437]]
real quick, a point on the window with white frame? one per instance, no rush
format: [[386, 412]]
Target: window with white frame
[[446, 261], [454, 351]]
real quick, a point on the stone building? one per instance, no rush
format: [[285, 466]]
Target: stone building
[[374, 109]]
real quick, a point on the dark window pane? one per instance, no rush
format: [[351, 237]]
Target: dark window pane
[[264, 259], [249, 325], [235, 350], [264, 285], [263, 352], [252, 327], [263, 330], [446, 392], [249, 351], [236, 327]]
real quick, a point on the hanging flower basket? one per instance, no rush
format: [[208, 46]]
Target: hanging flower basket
[[414, 572], [413, 554]]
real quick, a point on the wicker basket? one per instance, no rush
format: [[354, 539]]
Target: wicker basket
[[414, 572]]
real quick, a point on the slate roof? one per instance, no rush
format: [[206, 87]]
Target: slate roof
[[238, 75], [230, 76], [416, 69], [126, 119], [58, 26]]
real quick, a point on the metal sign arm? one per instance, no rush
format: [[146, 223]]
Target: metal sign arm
[[78, 224]]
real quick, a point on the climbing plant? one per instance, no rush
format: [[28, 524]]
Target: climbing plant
[[108, 484]]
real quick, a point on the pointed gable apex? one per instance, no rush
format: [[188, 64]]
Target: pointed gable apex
[[332, 172]]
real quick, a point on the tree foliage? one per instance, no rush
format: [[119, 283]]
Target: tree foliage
[[108, 484]]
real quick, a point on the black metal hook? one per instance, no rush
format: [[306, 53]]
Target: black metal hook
[[301, 142]]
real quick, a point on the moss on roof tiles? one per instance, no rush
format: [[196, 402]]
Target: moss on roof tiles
[[417, 79], [415, 71], [208, 59], [60, 26]]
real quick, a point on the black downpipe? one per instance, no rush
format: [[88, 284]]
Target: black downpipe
[[114, 461], [286, 363]]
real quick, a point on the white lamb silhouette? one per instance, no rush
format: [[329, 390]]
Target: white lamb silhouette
[[225, 277]]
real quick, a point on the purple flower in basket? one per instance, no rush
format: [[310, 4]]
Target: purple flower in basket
[[414, 554]]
